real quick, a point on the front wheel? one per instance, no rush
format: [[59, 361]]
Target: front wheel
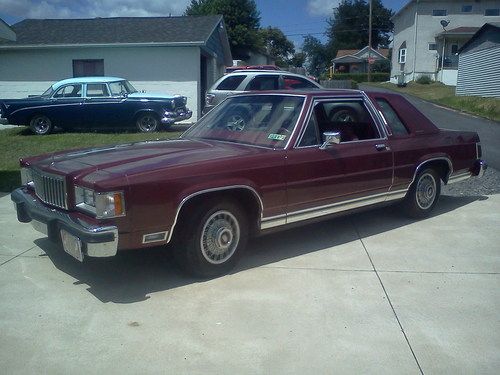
[[423, 194], [212, 241], [41, 125], [147, 123]]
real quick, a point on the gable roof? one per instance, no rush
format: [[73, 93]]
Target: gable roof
[[119, 30], [493, 26], [355, 54]]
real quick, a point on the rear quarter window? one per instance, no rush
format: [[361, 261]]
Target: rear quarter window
[[297, 83], [392, 118], [231, 83]]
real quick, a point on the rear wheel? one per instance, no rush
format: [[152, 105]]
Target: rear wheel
[[423, 194], [41, 125], [211, 241], [147, 122]]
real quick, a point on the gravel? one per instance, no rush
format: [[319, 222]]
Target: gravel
[[486, 185]]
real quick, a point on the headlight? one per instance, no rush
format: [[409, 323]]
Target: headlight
[[26, 177], [102, 205]]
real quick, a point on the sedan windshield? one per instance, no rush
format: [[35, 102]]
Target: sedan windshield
[[121, 88], [261, 120], [48, 93]]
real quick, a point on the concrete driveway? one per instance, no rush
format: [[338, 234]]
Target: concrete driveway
[[368, 293]]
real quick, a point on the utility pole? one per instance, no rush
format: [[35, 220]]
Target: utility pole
[[370, 43]]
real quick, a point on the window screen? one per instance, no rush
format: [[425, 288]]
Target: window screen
[[88, 68]]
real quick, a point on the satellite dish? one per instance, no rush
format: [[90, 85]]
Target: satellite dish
[[444, 23]]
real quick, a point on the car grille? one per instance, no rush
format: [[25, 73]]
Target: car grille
[[50, 188]]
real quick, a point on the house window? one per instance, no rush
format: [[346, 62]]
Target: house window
[[454, 49], [439, 12], [432, 47], [466, 8], [88, 68], [492, 12], [402, 56]]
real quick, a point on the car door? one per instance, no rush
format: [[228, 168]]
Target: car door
[[65, 106], [100, 109], [356, 172]]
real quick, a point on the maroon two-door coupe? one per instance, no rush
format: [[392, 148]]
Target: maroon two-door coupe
[[255, 163]]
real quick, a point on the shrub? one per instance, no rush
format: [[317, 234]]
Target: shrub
[[424, 80], [362, 77]]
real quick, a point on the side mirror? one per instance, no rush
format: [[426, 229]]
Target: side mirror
[[330, 139]]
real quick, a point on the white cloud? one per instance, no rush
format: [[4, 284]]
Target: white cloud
[[321, 7], [87, 8]]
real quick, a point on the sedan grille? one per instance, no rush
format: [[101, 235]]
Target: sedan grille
[[50, 188]]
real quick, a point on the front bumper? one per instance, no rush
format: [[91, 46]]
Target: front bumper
[[172, 117], [97, 241]]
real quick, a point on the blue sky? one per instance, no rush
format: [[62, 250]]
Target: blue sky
[[295, 18]]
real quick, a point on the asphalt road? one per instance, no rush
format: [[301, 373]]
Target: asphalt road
[[489, 131]]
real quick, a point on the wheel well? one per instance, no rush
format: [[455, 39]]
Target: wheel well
[[241, 196], [143, 112], [441, 166]]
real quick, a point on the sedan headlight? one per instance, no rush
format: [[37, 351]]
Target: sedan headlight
[[102, 205], [26, 177]]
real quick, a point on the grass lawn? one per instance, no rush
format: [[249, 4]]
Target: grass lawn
[[20, 142], [445, 95]]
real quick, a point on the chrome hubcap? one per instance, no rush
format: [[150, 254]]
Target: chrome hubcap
[[148, 123], [220, 237], [41, 124], [426, 191]]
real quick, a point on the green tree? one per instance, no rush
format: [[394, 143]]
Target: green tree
[[242, 20], [317, 55], [348, 27], [277, 45], [298, 59]]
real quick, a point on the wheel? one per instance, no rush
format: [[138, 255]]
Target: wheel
[[212, 239], [344, 115], [423, 194], [41, 125], [147, 122], [236, 121]]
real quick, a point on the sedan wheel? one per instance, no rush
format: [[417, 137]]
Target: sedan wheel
[[211, 239], [41, 125], [147, 123], [423, 194]]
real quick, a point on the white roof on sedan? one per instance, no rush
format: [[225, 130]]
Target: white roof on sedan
[[56, 85]]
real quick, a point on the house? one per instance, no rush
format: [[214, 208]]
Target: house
[[429, 33], [356, 61], [478, 63], [178, 55]]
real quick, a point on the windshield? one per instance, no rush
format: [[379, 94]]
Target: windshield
[[121, 88], [48, 92], [261, 120]]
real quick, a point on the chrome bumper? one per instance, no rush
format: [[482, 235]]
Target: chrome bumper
[[479, 168], [96, 241], [171, 117]]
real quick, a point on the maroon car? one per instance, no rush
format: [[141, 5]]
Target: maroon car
[[255, 163]]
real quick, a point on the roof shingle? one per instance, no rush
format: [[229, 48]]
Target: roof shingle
[[114, 30]]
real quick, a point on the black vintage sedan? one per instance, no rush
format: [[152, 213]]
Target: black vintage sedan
[[94, 102]]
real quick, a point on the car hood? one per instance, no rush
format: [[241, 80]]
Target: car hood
[[151, 95], [97, 164]]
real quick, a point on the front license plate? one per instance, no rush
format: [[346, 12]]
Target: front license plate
[[72, 245]]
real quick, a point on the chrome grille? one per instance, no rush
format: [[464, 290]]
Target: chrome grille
[[50, 188]]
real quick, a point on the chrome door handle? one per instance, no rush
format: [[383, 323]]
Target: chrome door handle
[[381, 147]]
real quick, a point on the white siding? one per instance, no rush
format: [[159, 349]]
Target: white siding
[[173, 70], [478, 73], [428, 27]]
